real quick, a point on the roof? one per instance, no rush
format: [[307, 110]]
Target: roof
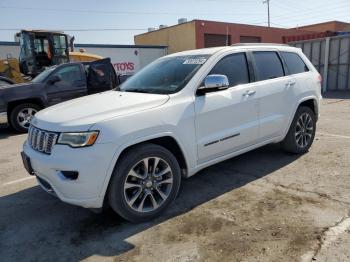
[[202, 51], [43, 31], [213, 50], [325, 23]]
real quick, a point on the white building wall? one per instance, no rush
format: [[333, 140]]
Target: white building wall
[[8, 49], [125, 59]]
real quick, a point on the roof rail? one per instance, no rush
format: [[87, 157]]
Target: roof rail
[[257, 44]]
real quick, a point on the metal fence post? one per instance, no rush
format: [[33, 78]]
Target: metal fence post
[[325, 67]]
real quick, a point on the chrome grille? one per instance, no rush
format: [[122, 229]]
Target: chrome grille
[[41, 140]]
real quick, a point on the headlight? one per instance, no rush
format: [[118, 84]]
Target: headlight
[[80, 139]]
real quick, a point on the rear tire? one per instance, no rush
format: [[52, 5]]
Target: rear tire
[[301, 132], [144, 183], [21, 116]]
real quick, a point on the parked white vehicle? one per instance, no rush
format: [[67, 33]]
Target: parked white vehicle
[[180, 114]]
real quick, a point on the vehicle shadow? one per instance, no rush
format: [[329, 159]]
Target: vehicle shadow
[[36, 226], [6, 132]]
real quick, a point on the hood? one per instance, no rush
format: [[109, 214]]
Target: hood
[[79, 114], [16, 86]]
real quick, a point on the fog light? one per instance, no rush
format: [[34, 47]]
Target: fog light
[[71, 175]]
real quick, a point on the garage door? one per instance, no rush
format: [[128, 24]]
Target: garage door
[[211, 40]]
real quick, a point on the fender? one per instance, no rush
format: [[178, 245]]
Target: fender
[[26, 91], [8, 80], [296, 105], [132, 142]]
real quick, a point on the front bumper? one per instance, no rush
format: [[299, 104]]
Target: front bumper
[[3, 118], [92, 164]]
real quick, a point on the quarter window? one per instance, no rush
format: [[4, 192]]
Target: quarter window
[[234, 67], [268, 65], [294, 63]]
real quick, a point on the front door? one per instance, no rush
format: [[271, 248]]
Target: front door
[[227, 120], [72, 84]]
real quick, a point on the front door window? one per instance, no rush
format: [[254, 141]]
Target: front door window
[[68, 74]]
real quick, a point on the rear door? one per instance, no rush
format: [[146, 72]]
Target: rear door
[[296, 67], [274, 90], [101, 76], [300, 77], [72, 84]]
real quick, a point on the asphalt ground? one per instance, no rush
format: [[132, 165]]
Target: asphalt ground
[[265, 205]]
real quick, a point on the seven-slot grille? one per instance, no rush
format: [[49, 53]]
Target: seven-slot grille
[[41, 140]]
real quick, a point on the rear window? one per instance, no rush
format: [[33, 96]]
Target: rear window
[[294, 63], [268, 65]]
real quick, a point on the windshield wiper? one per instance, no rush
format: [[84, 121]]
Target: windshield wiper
[[136, 90]]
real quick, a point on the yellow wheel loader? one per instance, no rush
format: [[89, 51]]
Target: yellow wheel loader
[[40, 49]]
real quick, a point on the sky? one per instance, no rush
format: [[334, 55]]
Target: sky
[[88, 20]]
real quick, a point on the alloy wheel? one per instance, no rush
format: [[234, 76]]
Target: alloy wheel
[[304, 130], [148, 184], [25, 116]]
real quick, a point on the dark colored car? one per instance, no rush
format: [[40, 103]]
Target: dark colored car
[[19, 102], [5, 81]]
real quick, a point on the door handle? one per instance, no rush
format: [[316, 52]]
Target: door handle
[[249, 93], [290, 83]]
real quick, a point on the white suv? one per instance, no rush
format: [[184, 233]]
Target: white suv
[[129, 148]]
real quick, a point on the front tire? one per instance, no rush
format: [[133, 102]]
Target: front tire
[[144, 183], [301, 133], [21, 115]]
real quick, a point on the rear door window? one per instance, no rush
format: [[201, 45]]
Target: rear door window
[[294, 63], [235, 67], [268, 65]]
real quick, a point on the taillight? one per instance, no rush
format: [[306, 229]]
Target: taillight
[[319, 79]]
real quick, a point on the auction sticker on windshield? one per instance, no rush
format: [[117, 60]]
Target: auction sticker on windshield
[[195, 61]]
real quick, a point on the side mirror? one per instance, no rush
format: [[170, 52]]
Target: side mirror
[[213, 83], [54, 79]]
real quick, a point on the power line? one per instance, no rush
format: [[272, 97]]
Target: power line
[[309, 14], [121, 12], [299, 13]]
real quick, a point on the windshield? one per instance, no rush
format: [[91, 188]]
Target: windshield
[[165, 76], [43, 75]]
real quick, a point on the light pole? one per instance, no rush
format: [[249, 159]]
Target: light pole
[[268, 11]]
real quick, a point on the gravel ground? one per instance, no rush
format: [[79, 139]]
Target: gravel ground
[[265, 205]]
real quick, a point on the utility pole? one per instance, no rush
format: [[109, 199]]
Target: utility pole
[[268, 11]]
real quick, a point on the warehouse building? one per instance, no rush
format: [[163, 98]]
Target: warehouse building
[[202, 33], [331, 26]]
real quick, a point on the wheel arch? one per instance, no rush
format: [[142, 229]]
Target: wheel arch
[[167, 140], [309, 101], [12, 104]]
